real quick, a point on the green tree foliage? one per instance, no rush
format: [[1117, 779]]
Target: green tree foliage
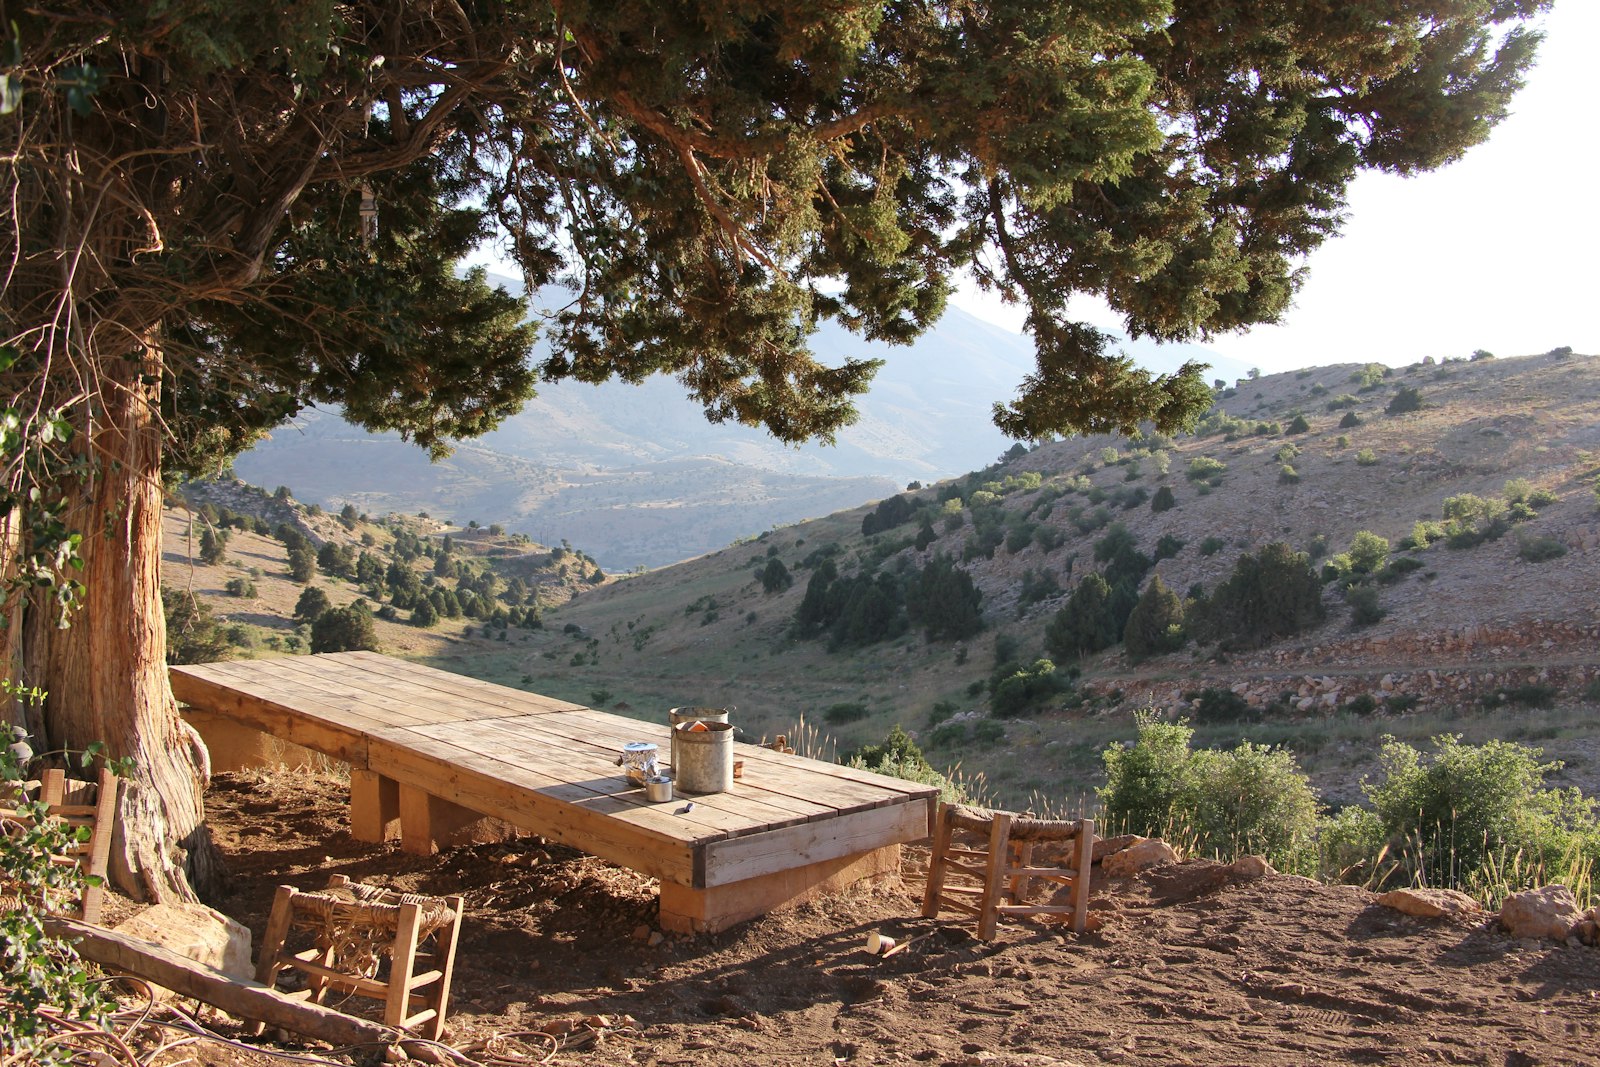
[[302, 564], [312, 603], [1299, 425], [1406, 398], [1270, 594], [424, 614], [1155, 626], [943, 601], [193, 633], [347, 629], [213, 545], [1085, 624], [1252, 799], [854, 610], [775, 577], [1368, 552], [1024, 689], [1163, 500], [1453, 813], [887, 515]]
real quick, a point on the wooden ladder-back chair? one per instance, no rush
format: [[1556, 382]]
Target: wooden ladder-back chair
[[1000, 873], [353, 929], [91, 805]]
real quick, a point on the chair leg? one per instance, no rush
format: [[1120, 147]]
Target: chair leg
[[942, 832], [1084, 860], [267, 965], [397, 1005], [99, 857], [445, 960], [994, 883]]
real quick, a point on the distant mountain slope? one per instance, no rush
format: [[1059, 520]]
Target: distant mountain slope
[[579, 460]]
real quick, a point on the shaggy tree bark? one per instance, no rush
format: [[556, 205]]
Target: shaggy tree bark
[[105, 673]]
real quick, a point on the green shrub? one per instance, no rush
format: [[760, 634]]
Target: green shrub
[[1407, 398], [1361, 704], [988, 732], [1168, 546], [240, 587], [193, 633], [1164, 500], [1226, 804], [1271, 594], [899, 757], [1220, 705], [1400, 703], [1366, 458], [947, 735], [1084, 624], [1211, 546], [1204, 468], [1299, 425], [839, 714], [1344, 400], [1540, 549], [1349, 422], [1364, 607], [1286, 452], [1287, 475], [1455, 818], [1022, 691]]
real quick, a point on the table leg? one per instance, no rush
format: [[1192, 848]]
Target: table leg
[[374, 807]]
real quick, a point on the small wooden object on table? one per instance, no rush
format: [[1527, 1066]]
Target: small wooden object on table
[[999, 873], [353, 928]]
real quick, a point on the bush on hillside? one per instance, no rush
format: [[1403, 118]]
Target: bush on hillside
[[1270, 594], [1085, 624], [943, 600], [193, 633], [1023, 690], [343, 630], [1407, 398], [1155, 625], [1252, 800], [1456, 816], [1164, 500]]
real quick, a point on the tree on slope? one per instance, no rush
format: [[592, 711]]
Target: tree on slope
[[224, 212]]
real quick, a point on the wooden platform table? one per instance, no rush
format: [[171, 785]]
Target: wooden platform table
[[430, 751]]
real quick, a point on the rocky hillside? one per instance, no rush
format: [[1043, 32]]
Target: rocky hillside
[[1450, 638]]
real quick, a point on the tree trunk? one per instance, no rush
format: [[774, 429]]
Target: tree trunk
[[106, 673]]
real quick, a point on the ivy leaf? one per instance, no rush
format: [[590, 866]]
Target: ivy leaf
[[81, 83]]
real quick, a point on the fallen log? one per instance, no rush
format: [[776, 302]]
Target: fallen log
[[242, 999]]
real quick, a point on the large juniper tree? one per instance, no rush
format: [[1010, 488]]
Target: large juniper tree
[[221, 212]]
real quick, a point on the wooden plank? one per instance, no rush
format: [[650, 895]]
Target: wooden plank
[[561, 774], [246, 1000], [343, 741], [484, 694], [641, 837], [326, 683], [742, 858], [751, 807], [685, 909]]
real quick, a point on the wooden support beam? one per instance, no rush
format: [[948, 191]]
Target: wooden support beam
[[685, 909], [429, 823], [245, 1000], [374, 807]]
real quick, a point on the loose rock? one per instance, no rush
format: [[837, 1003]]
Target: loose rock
[[1550, 912], [1432, 903]]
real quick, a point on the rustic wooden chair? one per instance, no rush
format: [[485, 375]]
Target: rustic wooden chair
[[1000, 873], [354, 930], [78, 804]]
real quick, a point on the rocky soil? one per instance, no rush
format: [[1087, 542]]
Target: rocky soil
[[1192, 966]]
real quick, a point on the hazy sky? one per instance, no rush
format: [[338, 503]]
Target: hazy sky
[[1499, 251]]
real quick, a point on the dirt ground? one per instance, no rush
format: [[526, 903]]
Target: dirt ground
[[1189, 969]]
